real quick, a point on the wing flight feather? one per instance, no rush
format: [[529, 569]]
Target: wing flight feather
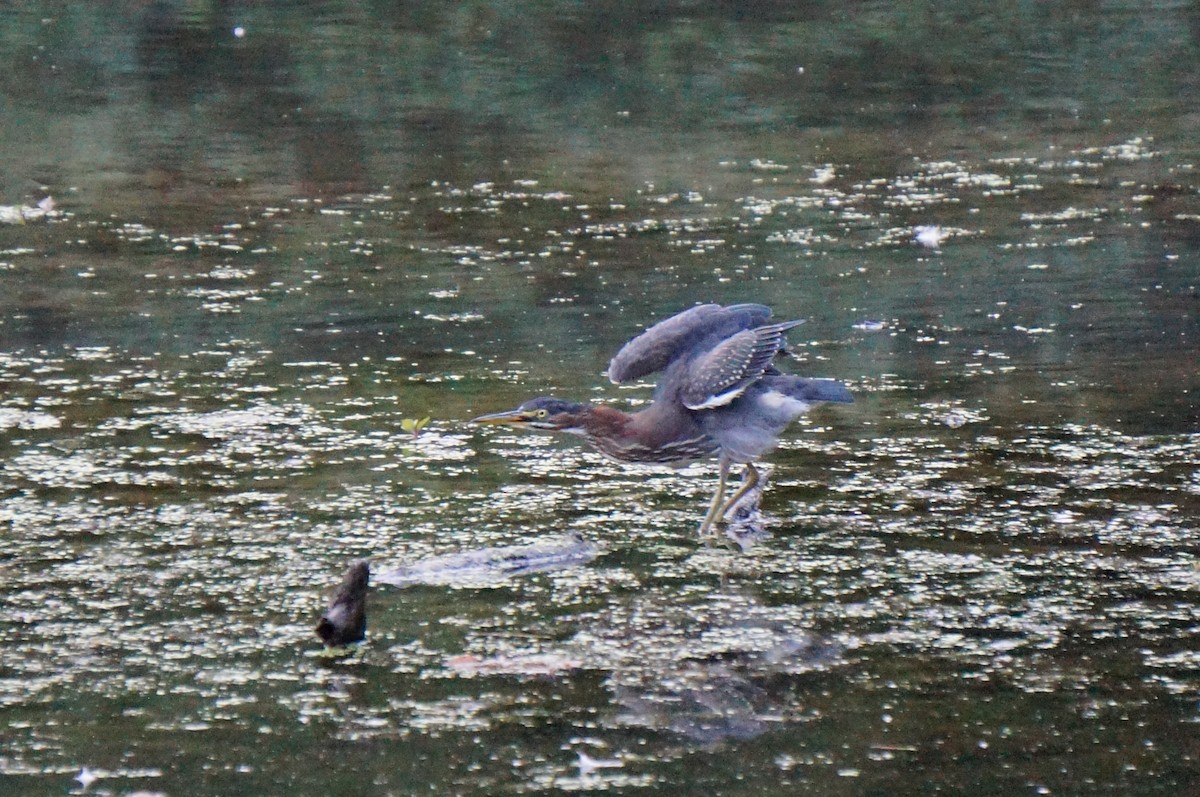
[[720, 375], [655, 348]]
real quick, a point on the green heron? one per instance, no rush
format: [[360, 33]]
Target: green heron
[[719, 394]]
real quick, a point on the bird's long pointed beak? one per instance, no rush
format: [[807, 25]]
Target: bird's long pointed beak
[[506, 418]]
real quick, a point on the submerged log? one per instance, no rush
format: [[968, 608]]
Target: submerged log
[[345, 620], [485, 566]]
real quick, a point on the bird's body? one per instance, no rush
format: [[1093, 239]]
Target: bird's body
[[719, 394]]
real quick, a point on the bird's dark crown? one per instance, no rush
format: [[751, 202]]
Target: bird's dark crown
[[552, 406], [548, 413], [544, 413]]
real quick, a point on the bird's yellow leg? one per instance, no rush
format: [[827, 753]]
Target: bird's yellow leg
[[715, 506], [749, 482]]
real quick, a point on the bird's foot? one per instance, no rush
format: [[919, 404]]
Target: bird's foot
[[711, 527]]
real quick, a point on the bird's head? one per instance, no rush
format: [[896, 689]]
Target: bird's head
[[543, 414]]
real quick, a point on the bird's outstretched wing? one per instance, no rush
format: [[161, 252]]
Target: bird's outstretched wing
[[720, 375], [655, 348]]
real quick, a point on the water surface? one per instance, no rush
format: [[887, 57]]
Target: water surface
[[979, 577]]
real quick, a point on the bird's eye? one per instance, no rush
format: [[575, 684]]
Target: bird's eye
[[542, 413]]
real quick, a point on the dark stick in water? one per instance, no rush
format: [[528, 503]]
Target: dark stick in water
[[345, 620]]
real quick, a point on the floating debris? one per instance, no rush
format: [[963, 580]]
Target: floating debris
[[86, 778], [587, 765], [929, 236], [345, 620], [823, 174], [955, 420], [19, 214], [767, 165]]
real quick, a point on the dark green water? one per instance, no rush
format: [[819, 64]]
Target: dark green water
[[269, 250]]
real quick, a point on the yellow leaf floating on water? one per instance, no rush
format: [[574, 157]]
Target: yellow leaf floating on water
[[414, 425]]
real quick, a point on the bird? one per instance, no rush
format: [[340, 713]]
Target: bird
[[719, 393]]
